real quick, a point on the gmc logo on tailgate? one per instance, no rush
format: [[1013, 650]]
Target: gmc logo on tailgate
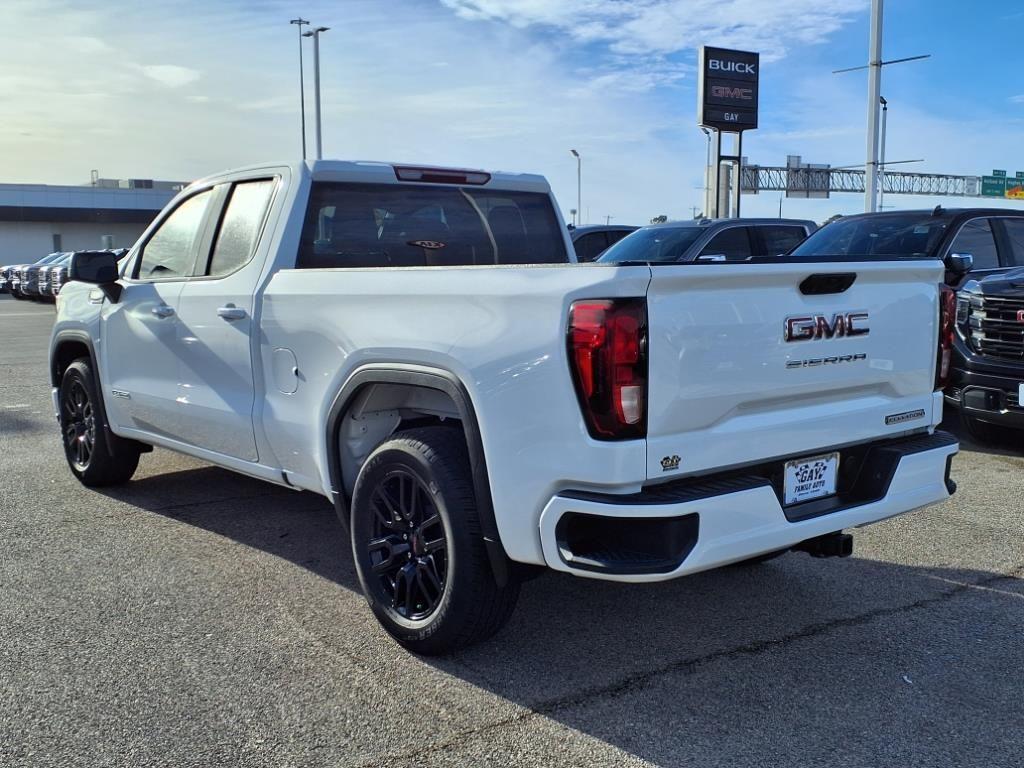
[[812, 327]]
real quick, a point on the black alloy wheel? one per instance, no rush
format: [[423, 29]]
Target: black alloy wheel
[[95, 457], [418, 547], [79, 425], [408, 551]]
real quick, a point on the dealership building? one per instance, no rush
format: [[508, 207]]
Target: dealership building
[[37, 219]]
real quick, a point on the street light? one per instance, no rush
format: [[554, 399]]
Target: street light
[[579, 184], [300, 22], [315, 34]]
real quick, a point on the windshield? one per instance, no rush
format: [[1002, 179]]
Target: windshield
[[653, 244], [906, 236], [50, 259]]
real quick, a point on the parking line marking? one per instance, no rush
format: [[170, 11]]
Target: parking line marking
[[981, 587]]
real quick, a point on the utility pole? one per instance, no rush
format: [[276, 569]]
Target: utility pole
[[315, 34], [300, 22], [874, 67], [874, 88], [579, 184], [607, 220]]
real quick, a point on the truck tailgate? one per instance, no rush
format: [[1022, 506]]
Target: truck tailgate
[[728, 389]]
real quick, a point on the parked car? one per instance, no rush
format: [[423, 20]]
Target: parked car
[[27, 275], [987, 380], [5, 278], [417, 345], [591, 242], [710, 240], [987, 354], [44, 285]]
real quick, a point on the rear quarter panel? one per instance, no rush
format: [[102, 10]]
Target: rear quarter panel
[[500, 330]]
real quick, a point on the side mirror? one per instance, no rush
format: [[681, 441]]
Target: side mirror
[[98, 268], [959, 263]]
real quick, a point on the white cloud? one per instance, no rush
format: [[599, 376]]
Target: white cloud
[[659, 27], [170, 75], [1018, 99]]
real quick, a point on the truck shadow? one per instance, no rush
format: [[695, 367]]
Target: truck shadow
[[766, 665], [1009, 442]]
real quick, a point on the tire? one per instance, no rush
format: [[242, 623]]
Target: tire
[[758, 559], [432, 589], [980, 431], [93, 459]]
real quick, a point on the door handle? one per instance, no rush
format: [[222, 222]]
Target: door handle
[[163, 310], [231, 312]]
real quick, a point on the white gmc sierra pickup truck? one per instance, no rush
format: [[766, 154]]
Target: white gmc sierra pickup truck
[[417, 345]]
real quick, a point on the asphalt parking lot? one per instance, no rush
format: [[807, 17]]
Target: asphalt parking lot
[[194, 618]]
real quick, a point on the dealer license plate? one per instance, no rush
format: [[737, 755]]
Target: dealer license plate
[[811, 478]]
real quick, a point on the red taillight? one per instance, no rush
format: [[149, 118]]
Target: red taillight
[[440, 175], [607, 355], [947, 318]]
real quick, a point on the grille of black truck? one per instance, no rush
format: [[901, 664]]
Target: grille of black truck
[[996, 326]]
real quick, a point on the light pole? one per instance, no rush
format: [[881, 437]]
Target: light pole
[[874, 86], [607, 220], [579, 183], [874, 67], [572, 212], [881, 163], [300, 22], [315, 34]]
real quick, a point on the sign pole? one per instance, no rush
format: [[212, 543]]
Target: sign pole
[[718, 174], [739, 171]]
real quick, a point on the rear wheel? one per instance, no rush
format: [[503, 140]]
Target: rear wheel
[[93, 459], [418, 547]]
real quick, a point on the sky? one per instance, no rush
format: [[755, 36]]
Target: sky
[[178, 90]]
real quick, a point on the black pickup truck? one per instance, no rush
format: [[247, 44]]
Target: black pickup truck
[[986, 369]]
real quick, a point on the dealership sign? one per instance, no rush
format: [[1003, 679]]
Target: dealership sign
[[727, 91]]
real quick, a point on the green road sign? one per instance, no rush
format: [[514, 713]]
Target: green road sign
[[993, 186], [1000, 174], [1020, 174]]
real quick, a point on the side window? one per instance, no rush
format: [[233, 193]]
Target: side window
[[733, 243], [427, 225], [615, 235], [589, 247], [240, 226], [170, 250], [975, 238], [1015, 236], [779, 239]]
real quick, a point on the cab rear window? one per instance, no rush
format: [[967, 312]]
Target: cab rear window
[[396, 225]]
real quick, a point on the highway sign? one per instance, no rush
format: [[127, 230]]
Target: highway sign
[[993, 186], [1001, 174]]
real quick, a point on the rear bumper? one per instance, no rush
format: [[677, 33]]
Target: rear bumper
[[694, 525]]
